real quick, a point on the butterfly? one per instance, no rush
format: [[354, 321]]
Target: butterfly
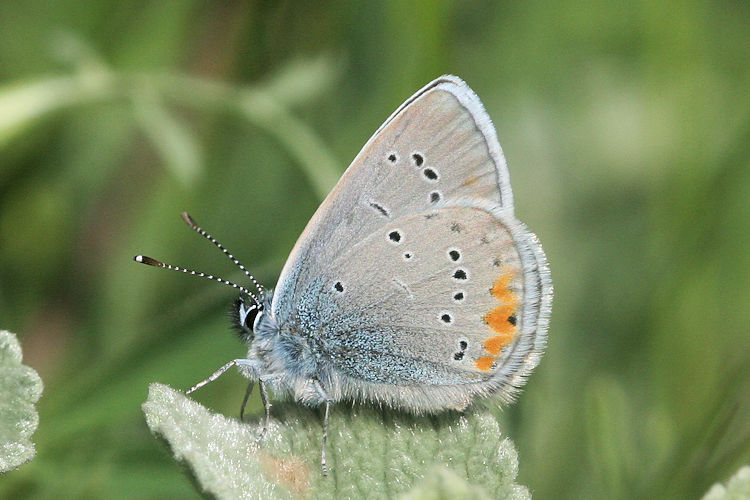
[[413, 285]]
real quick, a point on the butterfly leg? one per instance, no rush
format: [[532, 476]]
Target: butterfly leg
[[247, 367], [327, 399], [266, 407], [248, 391], [325, 439]]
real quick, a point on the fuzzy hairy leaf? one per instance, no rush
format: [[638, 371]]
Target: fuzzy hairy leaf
[[444, 484], [737, 488], [20, 388], [372, 453]]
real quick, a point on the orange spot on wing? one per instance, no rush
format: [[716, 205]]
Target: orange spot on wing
[[484, 363], [498, 319], [501, 291], [494, 345]]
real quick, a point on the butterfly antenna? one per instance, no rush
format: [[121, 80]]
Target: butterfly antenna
[[156, 263], [195, 227]]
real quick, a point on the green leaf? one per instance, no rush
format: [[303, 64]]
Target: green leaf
[[444, 484], [372, 453], [171, 138], [20, 388], [737, 488], [23, 103], [303, 80]]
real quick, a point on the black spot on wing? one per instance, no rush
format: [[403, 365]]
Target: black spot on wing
[[380, 209]]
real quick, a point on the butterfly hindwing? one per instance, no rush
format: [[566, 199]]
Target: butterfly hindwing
[[457, 308]]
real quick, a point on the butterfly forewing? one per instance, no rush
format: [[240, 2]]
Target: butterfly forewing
[[437, 147]]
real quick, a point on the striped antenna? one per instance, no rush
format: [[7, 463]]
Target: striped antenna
[[195, 227], [156, 263]]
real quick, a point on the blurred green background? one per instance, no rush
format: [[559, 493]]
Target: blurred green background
[[627, 131]]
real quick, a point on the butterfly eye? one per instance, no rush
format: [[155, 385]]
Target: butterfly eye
[[250, 318], [418, 159], [245, 316]]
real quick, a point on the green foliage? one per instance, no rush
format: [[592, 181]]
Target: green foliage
[[626, 126], [20, 389], [372, 454]]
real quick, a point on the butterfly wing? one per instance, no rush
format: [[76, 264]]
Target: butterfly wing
[[439, 145], [414, 272]]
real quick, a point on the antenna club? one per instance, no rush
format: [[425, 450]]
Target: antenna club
[[189, 220], [148, 261]]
